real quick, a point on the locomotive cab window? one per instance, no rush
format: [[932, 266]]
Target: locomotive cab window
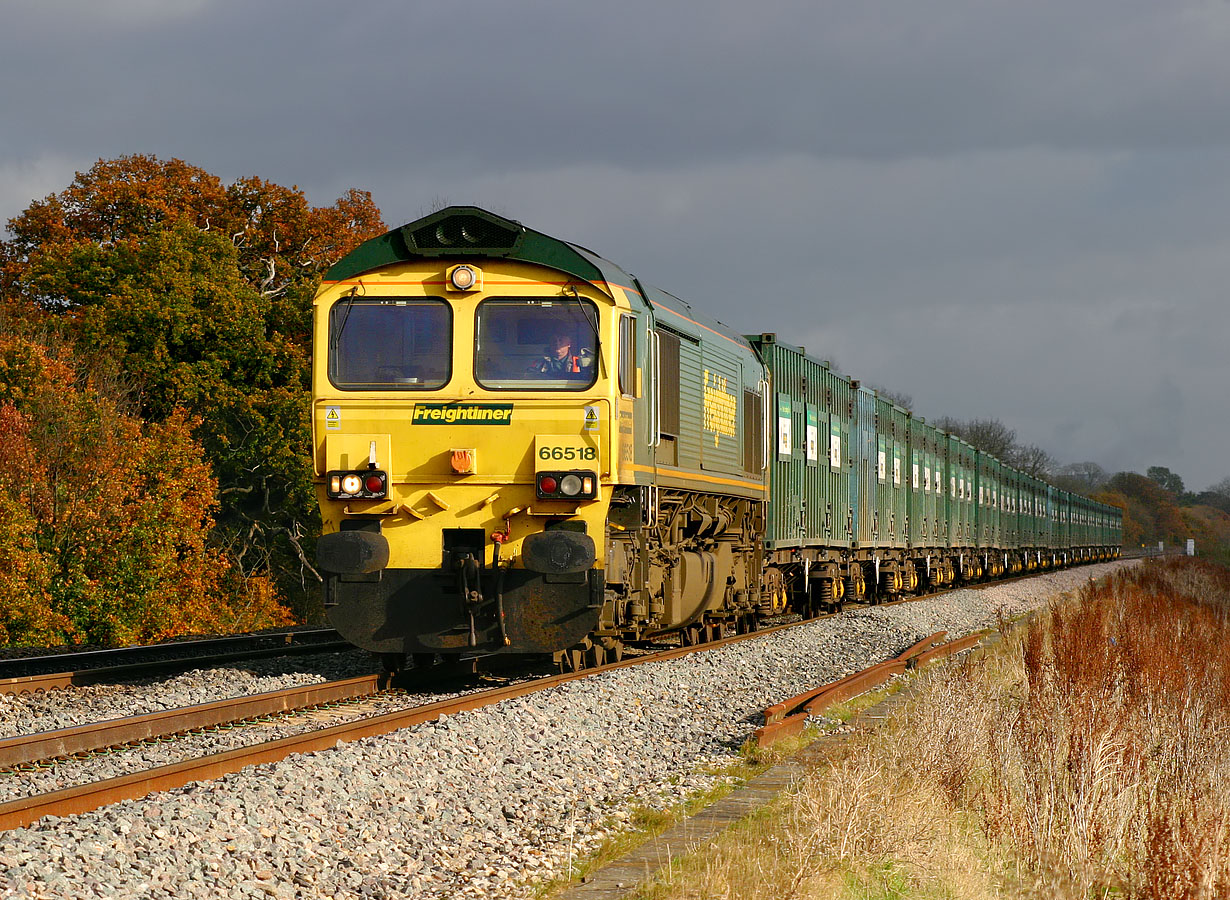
[[540, 344], [390, 344]]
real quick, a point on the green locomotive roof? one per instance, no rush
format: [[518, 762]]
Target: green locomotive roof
[[468, 232]]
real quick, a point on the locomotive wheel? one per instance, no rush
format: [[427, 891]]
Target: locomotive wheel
[[573, 660], [423, 660], [595, 656], [615, 652], [393, 662], [459, 665]]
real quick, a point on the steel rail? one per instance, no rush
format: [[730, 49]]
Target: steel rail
[[202, 646], [30, 684], [26, 750], [788, 717]]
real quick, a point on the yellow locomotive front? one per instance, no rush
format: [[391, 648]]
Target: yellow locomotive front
[[463, 400]]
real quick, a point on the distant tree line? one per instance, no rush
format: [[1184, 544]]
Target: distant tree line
[[154, 382]]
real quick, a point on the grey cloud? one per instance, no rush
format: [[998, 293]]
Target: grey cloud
[[1034, 192], [540, 85]]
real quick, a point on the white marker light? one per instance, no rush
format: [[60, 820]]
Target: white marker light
[[463, 278]]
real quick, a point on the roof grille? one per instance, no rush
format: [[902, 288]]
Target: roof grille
[[462, 234]]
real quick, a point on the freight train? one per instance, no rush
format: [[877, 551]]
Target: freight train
[[520, 448]]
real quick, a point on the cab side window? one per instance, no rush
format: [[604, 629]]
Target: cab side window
[[627, 356]]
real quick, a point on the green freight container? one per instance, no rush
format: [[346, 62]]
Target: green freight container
[[1033, 494], [810, 469], [1010, 508], [988, 485], [1063, 520], [927, 528], [960, 495], [892, 431]]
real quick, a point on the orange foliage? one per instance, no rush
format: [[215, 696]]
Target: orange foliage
[[196, 295], [1150, 512], [26, 615], [1111, 772], [105, 518], [282, 240]]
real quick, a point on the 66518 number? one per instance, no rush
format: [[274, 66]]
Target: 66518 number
[[568, 453]]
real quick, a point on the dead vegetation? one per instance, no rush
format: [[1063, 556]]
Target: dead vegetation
[[1087, 758]]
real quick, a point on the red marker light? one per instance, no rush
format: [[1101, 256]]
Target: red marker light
[[547, 485], [375, 484]]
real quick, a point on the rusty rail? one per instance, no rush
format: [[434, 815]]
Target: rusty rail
[[25, 750], [30, 684], [788, 717]]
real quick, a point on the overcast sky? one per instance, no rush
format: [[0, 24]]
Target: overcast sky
[[1017, 210]]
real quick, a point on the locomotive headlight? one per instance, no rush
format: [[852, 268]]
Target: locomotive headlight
[[575, 485], [465, 278], [364, 484]]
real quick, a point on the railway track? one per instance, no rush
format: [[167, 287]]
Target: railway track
[[503, 796], [27, 675], [32, 750]]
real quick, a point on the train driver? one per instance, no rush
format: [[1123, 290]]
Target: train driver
[[560, 359]]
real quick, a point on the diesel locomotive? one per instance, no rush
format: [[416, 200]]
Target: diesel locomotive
[[520, 448]]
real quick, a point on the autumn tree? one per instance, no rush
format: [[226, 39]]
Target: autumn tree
[[1216, 495], [1167, 479], [105, 517], [283, 243], [201, 293], [1083, 477], [1151, 513], [26, 614]]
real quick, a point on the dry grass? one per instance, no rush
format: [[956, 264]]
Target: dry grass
[[1089, 757]]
